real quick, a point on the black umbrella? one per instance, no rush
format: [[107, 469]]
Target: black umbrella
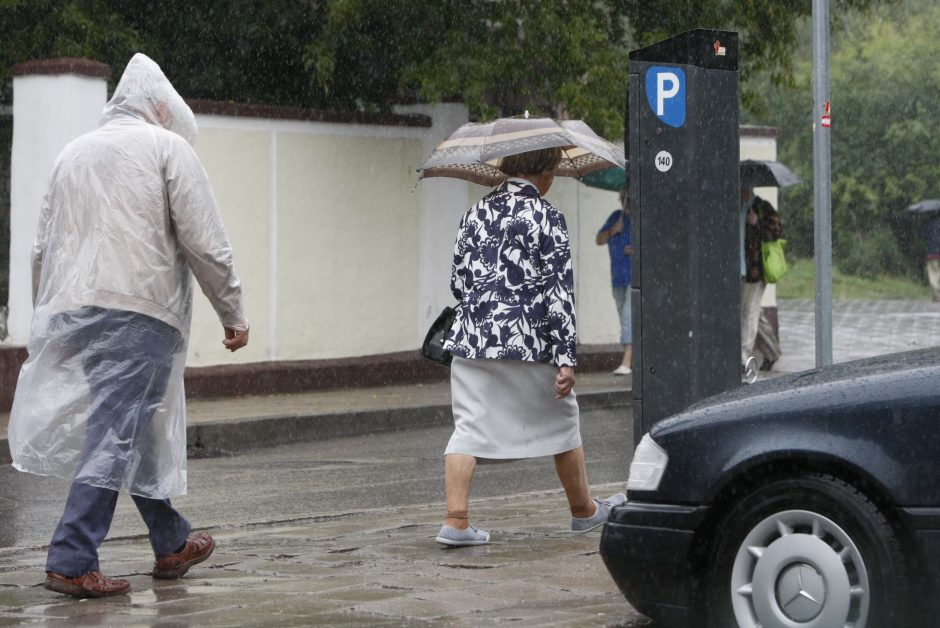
[[754, 173], [757, 173], [925, 207]]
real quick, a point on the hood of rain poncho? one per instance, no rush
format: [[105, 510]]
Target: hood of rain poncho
[[128, 220], [145, 92]]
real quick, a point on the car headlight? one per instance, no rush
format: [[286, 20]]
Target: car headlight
[[649, 464]]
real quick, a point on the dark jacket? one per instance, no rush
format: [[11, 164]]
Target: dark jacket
[[767, 229], [933, 239]]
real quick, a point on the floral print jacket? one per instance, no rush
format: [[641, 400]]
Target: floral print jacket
[[513, 277]]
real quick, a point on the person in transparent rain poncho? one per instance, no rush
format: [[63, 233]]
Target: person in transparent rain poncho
[[128, 219]]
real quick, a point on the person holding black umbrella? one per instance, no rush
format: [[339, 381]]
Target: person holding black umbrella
[[760, 222], [933, 256], [930, 208]]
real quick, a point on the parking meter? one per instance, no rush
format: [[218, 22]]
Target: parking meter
[[682, 134]]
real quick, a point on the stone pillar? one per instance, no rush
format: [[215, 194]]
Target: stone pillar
[[54, 101], [443, 202]]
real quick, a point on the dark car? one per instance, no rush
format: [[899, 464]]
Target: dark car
[[810, 500]]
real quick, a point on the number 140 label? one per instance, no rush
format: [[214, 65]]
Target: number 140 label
[[663, 161]]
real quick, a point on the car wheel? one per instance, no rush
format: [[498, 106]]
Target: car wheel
[[811, 552]]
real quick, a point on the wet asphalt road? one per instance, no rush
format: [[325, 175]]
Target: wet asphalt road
[[319, 478]]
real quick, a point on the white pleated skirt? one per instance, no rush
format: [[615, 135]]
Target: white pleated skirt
[[506, 410]]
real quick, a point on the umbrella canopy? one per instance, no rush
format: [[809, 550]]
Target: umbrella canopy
[[756, 174], [473, 151], [608, 179], [925, 206]]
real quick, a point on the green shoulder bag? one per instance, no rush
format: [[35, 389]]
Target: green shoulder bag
[[775, 264]]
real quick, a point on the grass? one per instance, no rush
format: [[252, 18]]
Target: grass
[[799, 283]]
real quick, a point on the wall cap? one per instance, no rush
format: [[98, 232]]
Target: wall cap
[[63, 65], [276, 112], [752, 130]]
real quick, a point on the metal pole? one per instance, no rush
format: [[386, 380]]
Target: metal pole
[[822, 173]]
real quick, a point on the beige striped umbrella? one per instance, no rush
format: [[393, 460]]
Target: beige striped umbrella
[[473, 151]]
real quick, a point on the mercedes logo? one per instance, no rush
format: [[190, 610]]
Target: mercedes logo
[[801, 592]]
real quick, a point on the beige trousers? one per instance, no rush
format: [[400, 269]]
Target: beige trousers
[[751, 295], [933, 276]]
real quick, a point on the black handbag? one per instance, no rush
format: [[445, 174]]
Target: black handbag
[[433, 346]]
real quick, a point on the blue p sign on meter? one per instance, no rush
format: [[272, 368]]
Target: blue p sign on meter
[[665, 91]]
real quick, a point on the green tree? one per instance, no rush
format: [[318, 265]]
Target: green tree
[[561, 57], [40, 29], [885, 92], [769, 32], [557, 57], [245, 50], [501, 58]]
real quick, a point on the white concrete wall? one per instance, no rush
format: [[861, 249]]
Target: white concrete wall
[[326, 233], [331, 237], [364, 257], [341, 251], [443, 201], [49, 111]]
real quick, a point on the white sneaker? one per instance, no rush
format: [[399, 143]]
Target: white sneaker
[[586, 524], [457, 538], [622, 370]]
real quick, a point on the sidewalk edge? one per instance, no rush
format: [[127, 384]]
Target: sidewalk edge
[[243, 434]]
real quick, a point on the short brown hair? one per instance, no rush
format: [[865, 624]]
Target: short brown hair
[[530, 163]]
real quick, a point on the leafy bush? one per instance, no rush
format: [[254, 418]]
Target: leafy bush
[[885, 108]]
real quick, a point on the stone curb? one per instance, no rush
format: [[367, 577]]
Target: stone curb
[[243, 434]]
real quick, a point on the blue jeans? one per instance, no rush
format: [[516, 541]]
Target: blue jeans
[[123, 402], [625, 312], [87, 519]]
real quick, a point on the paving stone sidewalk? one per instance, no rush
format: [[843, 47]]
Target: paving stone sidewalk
[[375, 567], [860, 329], [380, 566]]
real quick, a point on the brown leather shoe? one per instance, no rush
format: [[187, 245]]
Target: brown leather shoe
[[91, 584], [198, 548]]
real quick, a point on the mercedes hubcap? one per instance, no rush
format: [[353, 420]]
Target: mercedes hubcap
[[801, 592], [799, 568]]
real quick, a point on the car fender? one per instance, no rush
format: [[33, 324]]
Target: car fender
[[851, 460]]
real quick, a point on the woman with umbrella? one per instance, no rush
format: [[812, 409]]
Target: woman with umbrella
[[514, 345]]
